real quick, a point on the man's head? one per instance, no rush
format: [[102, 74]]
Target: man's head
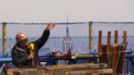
[[21, 39]]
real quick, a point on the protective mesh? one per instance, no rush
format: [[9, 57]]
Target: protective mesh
[[79, 33]]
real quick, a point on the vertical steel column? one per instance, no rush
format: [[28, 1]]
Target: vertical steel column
[[90, 36], [4, 38]]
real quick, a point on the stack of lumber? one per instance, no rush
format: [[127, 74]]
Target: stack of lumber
[[75, 69]]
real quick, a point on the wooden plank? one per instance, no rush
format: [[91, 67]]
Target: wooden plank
[[27, 71], [86, 66], [76, 69], [87, 72], [100, 45], [115, 53]]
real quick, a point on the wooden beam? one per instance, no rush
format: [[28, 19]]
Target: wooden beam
[[115, 53], [120, 66], [91, 72], [73, 67], [100, 45], [125, 40], [109, 49], [28, 71]]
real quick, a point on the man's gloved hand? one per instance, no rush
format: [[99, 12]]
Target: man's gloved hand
[[50, 26], [30, 56]]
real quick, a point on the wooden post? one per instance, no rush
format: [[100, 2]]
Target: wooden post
[[90, 36], [100, 45], [124, 48], [125, 40], [115, 53], [109, 49], [120, 66], [4, 38]]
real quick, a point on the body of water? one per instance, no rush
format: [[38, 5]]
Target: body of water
[[80, 44]]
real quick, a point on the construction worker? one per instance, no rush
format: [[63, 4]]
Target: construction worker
[[24, 53]]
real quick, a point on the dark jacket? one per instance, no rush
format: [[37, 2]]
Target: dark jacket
[[20, 55]]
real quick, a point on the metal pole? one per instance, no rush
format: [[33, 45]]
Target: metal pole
[[4, 38], [90, 36]]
